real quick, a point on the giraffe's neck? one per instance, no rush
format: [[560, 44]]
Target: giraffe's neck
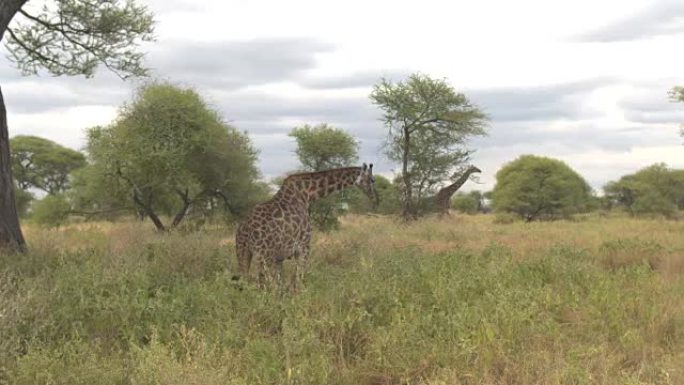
[[307, 187], [459, 182]]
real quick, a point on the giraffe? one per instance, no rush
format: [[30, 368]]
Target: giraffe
[[443, 197], [280, 228]]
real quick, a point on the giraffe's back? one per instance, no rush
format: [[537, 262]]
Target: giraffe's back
[[273, 230]]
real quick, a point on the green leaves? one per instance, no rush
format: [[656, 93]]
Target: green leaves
[[71, 37], [655, 189], [43, 164], [535, 187], [323, 147], [429, 125], [169, 152], [677, 95]]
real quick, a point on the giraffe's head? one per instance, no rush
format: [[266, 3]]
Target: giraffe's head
[[366, 182], [473, 169]]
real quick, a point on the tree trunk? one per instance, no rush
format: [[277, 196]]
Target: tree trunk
[[182, 213], [408, 193], [11, 238], [150, 213], [8, 8]]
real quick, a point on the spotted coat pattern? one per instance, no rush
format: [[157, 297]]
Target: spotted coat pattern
[[280, 228], [443, 197]]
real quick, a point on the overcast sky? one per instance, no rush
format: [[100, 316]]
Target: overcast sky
[[584, 81]]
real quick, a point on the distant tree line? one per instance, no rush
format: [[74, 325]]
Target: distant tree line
[[168, 156]]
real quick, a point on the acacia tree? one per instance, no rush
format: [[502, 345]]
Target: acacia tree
[[429, 124], [65, 37], [43, 164], [323, 147], [537, 187], [655, 189], [169, 153]]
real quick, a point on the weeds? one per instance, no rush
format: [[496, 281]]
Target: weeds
[[457, 301]]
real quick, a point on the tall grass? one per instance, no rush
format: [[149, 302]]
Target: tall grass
[[457, 301]]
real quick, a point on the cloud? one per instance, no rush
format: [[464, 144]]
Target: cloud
[[557, 101], [664, 17], [651, 105], [355, 80], [235, 64]]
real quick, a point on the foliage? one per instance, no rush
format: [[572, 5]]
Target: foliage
[[66, 37], [655, 189], [52, 210], [320, 148], [537, 303], [388, 194], [43, 164], [93, 197], [171, 154], [323, 147], [468, 203], [429, 124], [535, 187], [677, 95], [23, 199], [71, 37]]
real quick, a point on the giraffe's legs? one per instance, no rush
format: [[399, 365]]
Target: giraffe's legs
[[299, 266], [264, 270], [279, 273]]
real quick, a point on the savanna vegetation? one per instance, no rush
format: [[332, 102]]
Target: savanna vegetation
[[455, 301], [127, 277]]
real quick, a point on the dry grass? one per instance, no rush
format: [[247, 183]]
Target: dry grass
[[455, 301]]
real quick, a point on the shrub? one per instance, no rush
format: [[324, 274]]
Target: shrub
[[535, 187], [51, 211], [469, 203], [652, 190]]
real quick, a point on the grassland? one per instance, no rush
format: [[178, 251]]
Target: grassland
[[458, 301]]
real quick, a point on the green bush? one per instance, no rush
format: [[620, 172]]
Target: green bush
[[52, 211], [23, 199], [653, 190], [468, 203], [535, 188]]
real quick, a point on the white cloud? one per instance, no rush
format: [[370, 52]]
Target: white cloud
[[598, 102]]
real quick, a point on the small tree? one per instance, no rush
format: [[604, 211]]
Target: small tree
[[320, 148], [65, 37], [468, 203], [535, 187], [429, 124], [655, 189], [389, 197], [169, 152], [43, 164], [51, 211]]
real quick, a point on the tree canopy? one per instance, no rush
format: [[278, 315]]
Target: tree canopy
[[43, 164], [72, 37], [428, 124], [323, 147], [655, 189], [169, 152], [65, 37], [536, 187]]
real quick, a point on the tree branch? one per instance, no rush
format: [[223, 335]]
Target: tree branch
[[33, 51]]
